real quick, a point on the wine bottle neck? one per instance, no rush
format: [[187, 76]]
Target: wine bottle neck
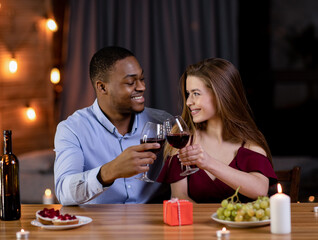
[[7, 143]]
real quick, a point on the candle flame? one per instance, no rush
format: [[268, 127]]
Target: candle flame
[[223, 229], [279, 188], [47, 192]]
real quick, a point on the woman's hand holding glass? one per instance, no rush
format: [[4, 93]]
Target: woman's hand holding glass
[[193, 155], [178, 135]]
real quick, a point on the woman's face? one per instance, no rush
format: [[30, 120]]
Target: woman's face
[[200, 101]]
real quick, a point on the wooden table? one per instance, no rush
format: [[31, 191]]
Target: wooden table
[[145, 221]]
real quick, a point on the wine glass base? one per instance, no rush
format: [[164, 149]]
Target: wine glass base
[[189, 171], [145, 179]]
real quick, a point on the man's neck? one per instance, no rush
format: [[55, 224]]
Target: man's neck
[[122, 121], [123, 124]]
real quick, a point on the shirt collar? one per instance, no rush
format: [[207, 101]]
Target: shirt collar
[[108, 124]]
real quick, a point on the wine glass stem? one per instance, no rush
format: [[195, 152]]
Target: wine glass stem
[[186, 166], [145, 173]]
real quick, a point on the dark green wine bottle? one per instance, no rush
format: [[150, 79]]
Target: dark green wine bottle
[[9, 181]]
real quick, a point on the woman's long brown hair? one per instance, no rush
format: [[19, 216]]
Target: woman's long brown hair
[[225, 83]]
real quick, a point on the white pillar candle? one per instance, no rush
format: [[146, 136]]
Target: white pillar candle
[[280, 212], [47, 197]]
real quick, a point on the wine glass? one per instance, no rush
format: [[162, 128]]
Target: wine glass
[[151, 133], [177, 134]]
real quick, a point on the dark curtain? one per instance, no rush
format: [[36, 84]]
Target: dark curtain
[[165, 36]]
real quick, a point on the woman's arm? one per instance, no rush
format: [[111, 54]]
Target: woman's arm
[[251, 184]]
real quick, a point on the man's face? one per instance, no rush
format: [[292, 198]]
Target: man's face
[[126, 87]]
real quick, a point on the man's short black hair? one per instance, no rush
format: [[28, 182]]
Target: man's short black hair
[[104, 60]]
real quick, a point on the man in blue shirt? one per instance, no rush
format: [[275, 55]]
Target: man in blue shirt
[[98, 150]]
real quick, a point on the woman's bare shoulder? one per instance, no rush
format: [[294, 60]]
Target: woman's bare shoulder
[[255, 147]]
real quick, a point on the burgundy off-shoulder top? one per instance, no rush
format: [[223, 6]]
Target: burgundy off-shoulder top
[[202, 189]]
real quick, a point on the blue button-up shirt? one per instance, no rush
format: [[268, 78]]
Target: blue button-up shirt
[[84, 142]]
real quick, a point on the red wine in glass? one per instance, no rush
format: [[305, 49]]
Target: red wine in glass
[[177, 134], [161, 141], [152, 133], [178, 140]]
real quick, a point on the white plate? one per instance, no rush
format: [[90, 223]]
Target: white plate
[[240, 224], [82, 221]]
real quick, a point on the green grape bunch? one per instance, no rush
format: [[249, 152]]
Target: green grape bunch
[[233, 210]]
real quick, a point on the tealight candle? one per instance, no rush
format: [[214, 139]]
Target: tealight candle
[[47, 197], [280, 212], [223, 233], [22, 234]]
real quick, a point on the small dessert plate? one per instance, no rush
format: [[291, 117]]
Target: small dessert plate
[[82, 221], [240, 224]]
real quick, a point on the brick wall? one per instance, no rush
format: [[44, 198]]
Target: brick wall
[[23, 33]]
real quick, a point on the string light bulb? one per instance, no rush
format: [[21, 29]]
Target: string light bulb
[[51, 24], [30, 112], [55, 75], [13, 65]]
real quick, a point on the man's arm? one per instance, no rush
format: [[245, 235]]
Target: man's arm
[[72, 185], [75, 189], [131, 161]]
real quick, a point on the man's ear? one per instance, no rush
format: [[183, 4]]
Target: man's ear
[[101, 87]]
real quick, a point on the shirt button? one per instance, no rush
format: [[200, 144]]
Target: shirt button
[[128, 186]]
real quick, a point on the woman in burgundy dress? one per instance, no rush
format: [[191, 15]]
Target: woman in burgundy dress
[[226, 144]]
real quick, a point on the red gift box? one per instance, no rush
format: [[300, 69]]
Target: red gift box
[[177, 212]]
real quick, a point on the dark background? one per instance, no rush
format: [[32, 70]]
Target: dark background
[[273, 43], [290, 129], [276, 55]]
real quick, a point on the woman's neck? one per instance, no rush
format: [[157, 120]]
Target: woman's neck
[[214, 128]]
